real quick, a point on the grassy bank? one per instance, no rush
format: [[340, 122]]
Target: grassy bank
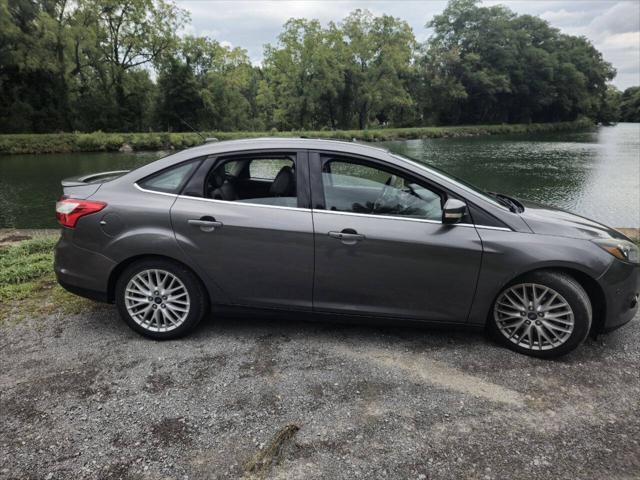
[[111, 142], [27, 282]]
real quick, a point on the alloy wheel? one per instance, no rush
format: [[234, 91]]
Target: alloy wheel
[[157, 300], [534, 316]]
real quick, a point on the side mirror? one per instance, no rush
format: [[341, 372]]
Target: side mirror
[[453, 211]]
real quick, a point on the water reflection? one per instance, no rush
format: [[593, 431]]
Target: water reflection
[[596, 174], [30, 184]]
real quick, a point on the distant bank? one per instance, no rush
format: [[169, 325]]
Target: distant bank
[[113, 142]]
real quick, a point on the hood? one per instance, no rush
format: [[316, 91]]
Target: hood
[[547, 220]]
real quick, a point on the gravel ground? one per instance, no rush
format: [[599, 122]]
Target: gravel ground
[[84, 397]]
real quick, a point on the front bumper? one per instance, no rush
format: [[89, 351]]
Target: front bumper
[[81, 271], [621, 287]]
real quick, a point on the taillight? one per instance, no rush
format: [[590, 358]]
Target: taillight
[[69, 210]]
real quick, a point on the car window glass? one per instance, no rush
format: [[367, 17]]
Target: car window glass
[[271, 181], [354, 187], [170, 180], [232, 168], [267, 168]]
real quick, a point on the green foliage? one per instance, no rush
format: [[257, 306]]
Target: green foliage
[[487, 64], [19, 264], [27, 282], [100, 141], [112, 66], [630, 105], [609, 111]]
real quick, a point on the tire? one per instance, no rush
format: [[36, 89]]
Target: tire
[[554, 324], [164, 300]]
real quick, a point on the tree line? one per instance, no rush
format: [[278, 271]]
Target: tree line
[[120, 65]]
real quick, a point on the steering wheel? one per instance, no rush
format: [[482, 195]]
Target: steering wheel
[[383, 193]]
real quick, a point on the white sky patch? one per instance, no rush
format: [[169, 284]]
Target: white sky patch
[[612, 26]]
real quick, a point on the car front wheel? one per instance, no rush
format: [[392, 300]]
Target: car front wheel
[[543, 314], [160, 299]]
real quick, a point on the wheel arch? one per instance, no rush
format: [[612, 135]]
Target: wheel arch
[[587, 282], [117, 271]]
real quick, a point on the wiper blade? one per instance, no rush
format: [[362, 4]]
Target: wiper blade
[[511, 203]]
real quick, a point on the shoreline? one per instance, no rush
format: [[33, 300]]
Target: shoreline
[[32, 143]]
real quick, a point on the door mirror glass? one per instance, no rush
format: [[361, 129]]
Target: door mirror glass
[[453, 211]]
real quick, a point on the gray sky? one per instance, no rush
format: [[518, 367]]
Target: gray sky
[[613, 26]]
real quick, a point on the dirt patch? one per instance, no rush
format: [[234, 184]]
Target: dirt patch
[[263, 361], [205, 367], [173, 430], [260, 464], [119, 471], [436, 373], [14, 239], [158, 383]]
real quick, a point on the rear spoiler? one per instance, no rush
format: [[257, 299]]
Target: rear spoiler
[[92, 178]]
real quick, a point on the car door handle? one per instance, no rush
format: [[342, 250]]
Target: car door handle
[[348, 236], [206, 224]]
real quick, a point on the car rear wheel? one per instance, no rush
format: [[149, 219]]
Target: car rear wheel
[[160, 299], [543, 314]]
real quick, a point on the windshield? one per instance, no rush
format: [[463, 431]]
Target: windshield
[[455, 180]]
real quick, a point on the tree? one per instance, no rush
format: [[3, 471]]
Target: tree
[[380, 51], [130, 34], [208, 86], [303, 76], [119, 65], [630, 105], [512, 68], [609, 111]]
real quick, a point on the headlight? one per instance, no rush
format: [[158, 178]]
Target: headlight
[[621, 249]]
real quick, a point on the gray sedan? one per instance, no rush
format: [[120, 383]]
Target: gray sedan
[[327, 229]]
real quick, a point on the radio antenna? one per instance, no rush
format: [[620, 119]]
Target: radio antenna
[[193, 129]]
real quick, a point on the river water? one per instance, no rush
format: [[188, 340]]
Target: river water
[[595, 174]]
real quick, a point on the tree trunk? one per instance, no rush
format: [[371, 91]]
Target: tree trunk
[[362, 117]]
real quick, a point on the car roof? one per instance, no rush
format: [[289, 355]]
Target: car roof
[[214, 147]]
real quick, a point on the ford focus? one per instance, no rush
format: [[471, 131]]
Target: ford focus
[[328, 229]]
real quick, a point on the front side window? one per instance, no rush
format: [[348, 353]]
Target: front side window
[[171, 179], [366, 188], [260, 180]]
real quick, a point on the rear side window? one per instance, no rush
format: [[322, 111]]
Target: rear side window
[[268, 168], [170, 180]]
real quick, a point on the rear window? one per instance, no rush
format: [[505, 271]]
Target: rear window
[[170, 180]]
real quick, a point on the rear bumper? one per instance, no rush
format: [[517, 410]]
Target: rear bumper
[[621, 286], [81, 271]]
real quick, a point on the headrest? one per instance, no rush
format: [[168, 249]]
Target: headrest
[[284, 183]]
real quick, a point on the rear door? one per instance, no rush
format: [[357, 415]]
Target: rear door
[[253, 238], [381, 247]]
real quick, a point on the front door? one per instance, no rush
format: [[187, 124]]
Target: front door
[[381, 248], [248, 225]]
